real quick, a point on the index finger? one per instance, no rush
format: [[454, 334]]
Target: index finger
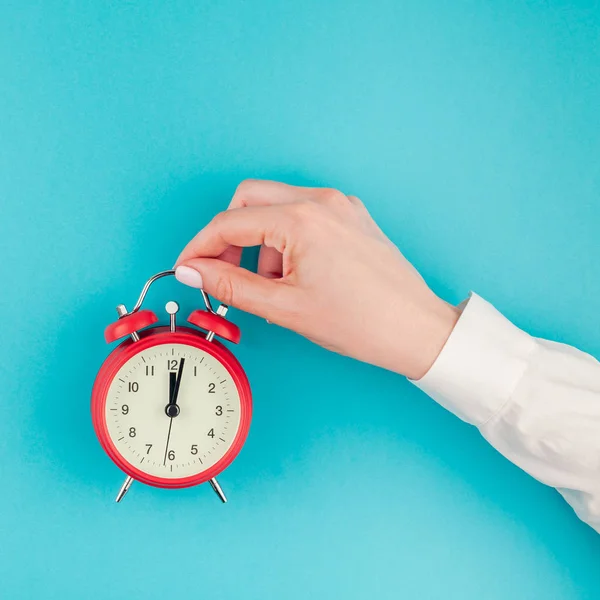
[[264, 192], [241, 227]]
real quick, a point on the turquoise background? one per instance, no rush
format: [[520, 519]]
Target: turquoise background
[[471, 129]]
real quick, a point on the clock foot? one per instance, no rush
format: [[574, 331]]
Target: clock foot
[[215, 486], [124, 488]]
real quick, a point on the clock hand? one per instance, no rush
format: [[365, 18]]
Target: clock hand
[[168, 438], [172, 409], [172, 381], [178, 382]]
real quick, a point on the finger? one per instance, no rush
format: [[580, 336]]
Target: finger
[[242, 227], [355, 200], [262, 192], [258, 192], [251, 192], [235, 286], [270, 263], [232, 255]]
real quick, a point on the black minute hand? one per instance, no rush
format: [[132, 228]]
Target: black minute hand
[[172, 409]]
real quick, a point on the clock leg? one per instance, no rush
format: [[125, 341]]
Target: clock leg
[[215, 486], [124, 488]]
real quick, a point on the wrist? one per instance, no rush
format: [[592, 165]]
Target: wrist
[[437, 322]]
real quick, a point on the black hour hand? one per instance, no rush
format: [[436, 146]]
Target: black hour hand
[[172, 409]]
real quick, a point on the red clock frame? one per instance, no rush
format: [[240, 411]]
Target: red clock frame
[[157, 336]]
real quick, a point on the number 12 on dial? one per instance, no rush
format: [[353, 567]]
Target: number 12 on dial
[[171, 406]]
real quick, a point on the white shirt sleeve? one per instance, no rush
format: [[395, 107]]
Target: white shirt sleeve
[[537, 402]]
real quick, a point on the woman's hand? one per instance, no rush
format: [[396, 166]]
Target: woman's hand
[[325, 270]]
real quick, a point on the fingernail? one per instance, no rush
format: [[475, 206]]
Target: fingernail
[[188, 276]]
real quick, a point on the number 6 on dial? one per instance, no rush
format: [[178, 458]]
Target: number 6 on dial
[[171, 406]]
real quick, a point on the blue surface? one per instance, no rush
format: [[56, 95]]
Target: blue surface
[[471, 129]]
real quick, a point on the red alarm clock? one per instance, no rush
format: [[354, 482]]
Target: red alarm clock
[[171, 405]]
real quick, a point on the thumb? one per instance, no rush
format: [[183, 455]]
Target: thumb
[[234, 285]]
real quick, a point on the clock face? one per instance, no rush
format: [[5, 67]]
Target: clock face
[[172, 410]]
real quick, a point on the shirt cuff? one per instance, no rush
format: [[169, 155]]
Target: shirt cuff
[[480, 365]]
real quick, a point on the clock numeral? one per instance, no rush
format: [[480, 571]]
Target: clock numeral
[[211, 433], [134, 386], [195, 371], [149, 446], [125, 409], [172, 364], [219, 411], [171, 455], [211, 388], [194, 449], [132, 432], [150, 370]]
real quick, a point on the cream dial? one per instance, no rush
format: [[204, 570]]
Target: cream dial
[[205, 420]]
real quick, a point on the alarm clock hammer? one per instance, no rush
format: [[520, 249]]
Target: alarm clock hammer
[[171, 405]]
